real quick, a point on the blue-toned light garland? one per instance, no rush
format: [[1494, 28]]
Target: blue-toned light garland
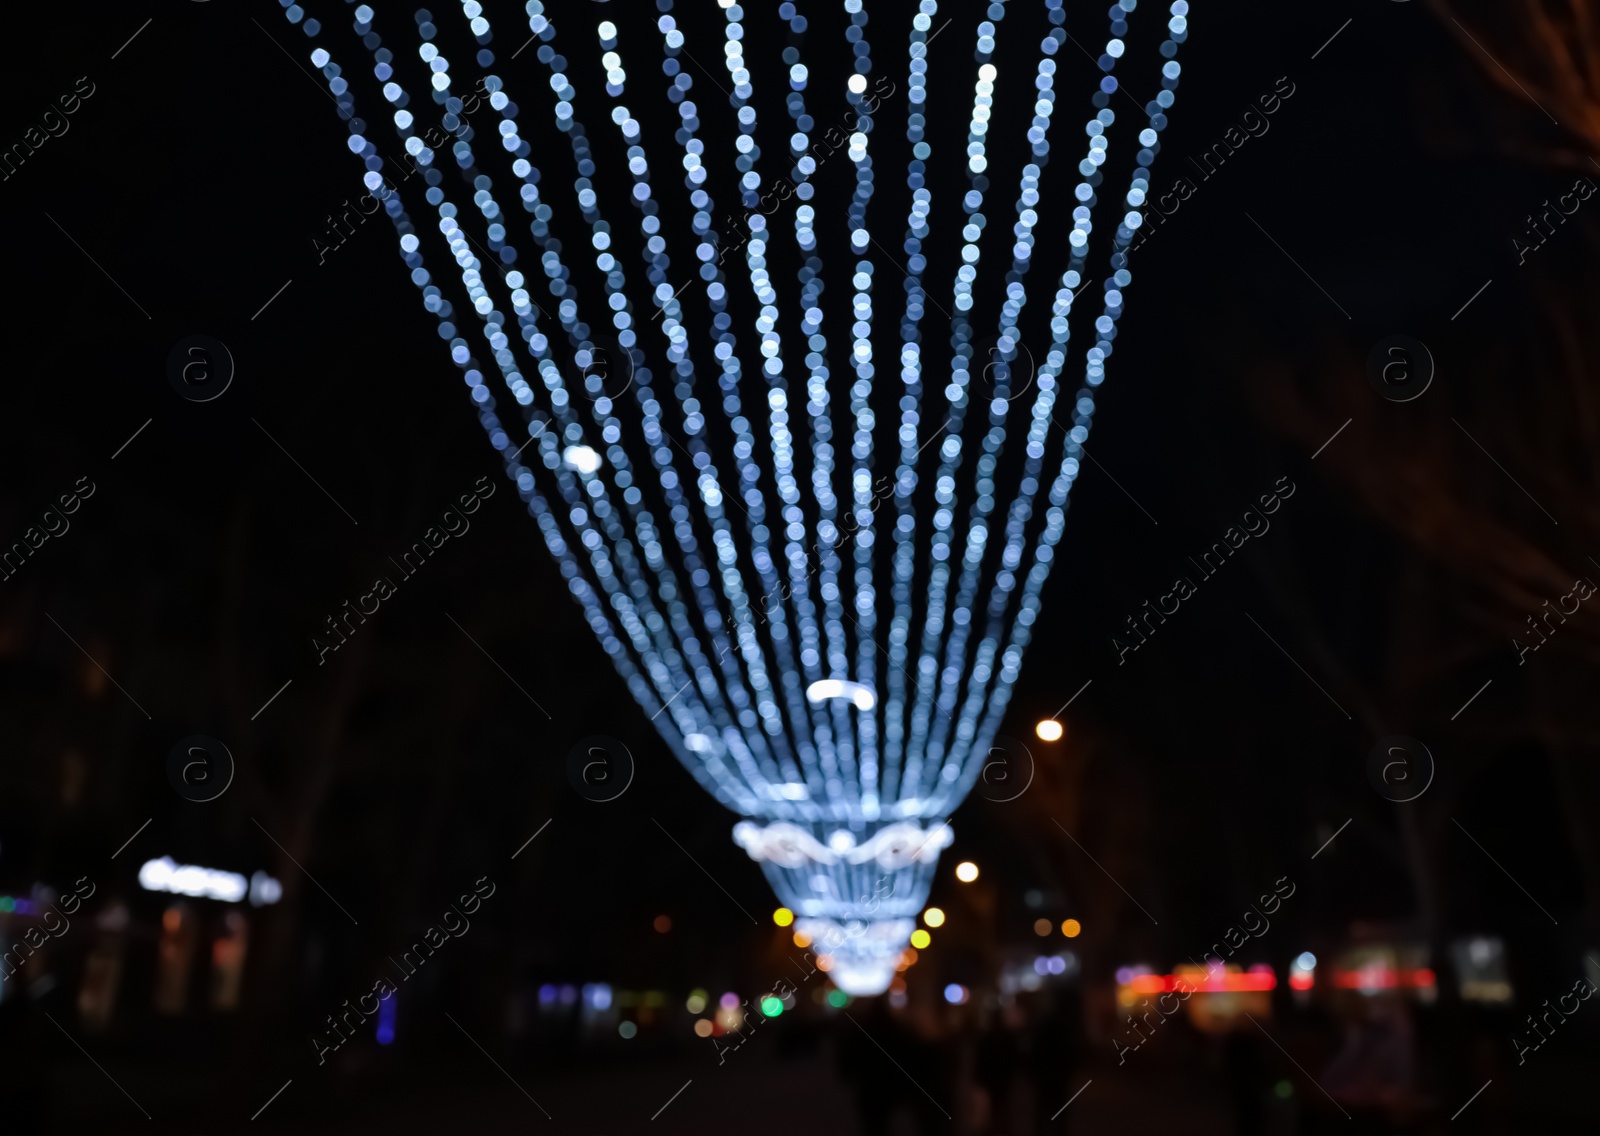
[[736, 635]]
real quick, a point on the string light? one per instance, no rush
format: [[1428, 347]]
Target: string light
[[831, 670]]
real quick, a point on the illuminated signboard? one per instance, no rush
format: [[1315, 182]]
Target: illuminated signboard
[[209, 883]]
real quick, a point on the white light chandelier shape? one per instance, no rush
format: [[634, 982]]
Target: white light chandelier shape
[[831, 670]]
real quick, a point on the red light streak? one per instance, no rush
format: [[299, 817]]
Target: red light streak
[[1217, 982], [1383, 978]]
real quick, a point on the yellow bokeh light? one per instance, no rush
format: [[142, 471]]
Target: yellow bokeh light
[[933, 917], [1049, 730], [966, 871], [920, 938], [783, 917], [1041, 927], [1071, 928]]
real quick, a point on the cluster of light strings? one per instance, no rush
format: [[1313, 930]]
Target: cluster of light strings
[[811, 657]]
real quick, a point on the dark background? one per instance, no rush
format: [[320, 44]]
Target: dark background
[[198, 176]]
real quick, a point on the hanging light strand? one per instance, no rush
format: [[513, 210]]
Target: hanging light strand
[[774, 612], [992, 708], [656, 247], [911, 443], [999, 370], [762, 667], [937, 610], [620, 577], [810, 628], [711, 773]]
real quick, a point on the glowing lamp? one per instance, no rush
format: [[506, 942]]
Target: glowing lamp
[[584, 459], [861, 697]]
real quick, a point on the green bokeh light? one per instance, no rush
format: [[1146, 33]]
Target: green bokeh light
[[837, 998], [771, 1006]]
